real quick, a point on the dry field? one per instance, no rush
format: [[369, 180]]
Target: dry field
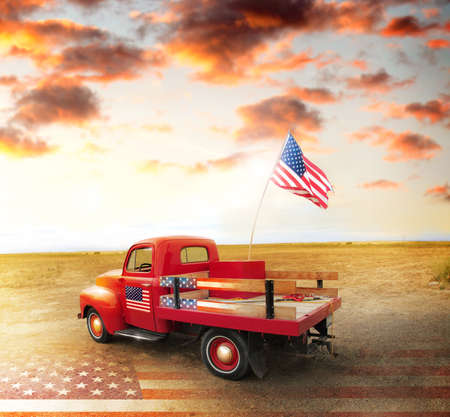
[[392, 333]]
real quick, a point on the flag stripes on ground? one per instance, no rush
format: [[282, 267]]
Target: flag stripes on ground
[[418, 385]]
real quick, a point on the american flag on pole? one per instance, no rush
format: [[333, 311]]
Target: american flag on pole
[[297, 174], [137, 298]]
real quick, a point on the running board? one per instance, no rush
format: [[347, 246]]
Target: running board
[[141, 334]]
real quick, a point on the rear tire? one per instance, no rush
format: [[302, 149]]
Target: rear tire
[[225, 353], [96, 327]]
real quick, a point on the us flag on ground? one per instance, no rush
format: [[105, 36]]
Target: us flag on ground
[[162, 383], [297, 174]]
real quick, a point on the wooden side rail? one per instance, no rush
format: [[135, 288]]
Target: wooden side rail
[[317, 276]]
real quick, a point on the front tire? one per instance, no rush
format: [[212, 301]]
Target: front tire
[[96, 327], [225, 353]]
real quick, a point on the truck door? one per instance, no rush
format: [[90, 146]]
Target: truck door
[[138, 286]]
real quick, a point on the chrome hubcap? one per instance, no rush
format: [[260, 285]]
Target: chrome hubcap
[[224, 354], [97, 325]]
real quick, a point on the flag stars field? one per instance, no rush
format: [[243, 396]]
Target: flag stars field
[[110, 382]]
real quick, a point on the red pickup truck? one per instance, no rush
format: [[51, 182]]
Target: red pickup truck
[[178, 283]]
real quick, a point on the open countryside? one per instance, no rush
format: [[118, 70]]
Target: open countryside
[[391, 349]]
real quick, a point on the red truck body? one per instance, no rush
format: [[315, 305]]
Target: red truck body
[[110, 297]]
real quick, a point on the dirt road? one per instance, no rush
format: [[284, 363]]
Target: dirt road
[[392, 342]]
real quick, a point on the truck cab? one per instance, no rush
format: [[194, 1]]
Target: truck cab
[[126, 297]]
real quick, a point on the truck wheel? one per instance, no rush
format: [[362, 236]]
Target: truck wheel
[[225, 353], [96, 327]]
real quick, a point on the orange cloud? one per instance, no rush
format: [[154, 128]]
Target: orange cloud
[[60, 101], [88, 3], [15, 143], [402, 146], [379, 82], [14, 9], [441, 192], [313, 95], [431, 12], [8, 80], [224, 39], [438, 43], [381, 184], [433, 111], [272, 117], [38, 38], [407, 26], [287, 63], [96, 62], [359, 63]]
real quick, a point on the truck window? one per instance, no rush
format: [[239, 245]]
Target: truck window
[[140, 260], [191, 254]]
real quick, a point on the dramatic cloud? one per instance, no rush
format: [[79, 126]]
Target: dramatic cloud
[[37, 39], [224, 164], [88, 3], [441, 192], [222, 39], [272, 117], [438, 43], [59, 101], [14, 9], [15, 143], [381, 184], [379, 82], [402, 146], [407, 26], [313, 95], [433, 111], [97, 62]]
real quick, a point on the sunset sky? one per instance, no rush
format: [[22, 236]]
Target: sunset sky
[[122, 119]]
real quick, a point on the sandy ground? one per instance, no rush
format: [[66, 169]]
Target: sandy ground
[[390, 319]]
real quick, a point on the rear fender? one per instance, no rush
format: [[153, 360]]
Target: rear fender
[[107, 304]]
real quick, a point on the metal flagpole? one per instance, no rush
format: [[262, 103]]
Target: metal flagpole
[[262, 197]]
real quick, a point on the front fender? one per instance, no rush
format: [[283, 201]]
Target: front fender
[[107, 303]]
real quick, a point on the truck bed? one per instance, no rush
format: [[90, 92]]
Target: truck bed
[[307, 316]]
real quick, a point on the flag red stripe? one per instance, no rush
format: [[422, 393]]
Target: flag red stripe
[[308, 162], [314, 392], [280, 177], [318, 189], [398, 371], [168, 375], [291, 177], [317, 178], [420, 353]]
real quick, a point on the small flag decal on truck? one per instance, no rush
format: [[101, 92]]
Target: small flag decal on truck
[[185, 282], [137, 298]]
